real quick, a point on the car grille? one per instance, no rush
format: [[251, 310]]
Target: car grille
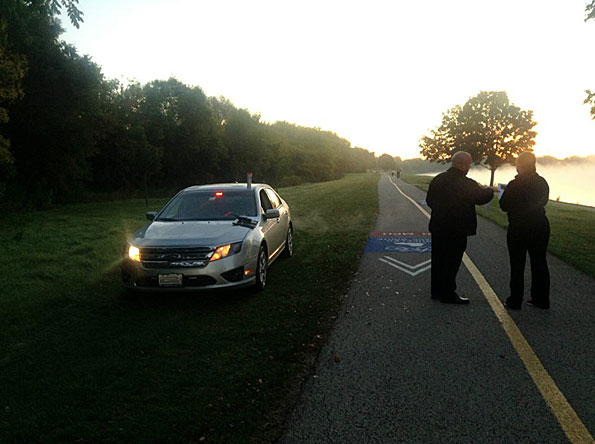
[[175, 257]]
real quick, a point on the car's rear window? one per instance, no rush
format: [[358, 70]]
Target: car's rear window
[[210, 205]]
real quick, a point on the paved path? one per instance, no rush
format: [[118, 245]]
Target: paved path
[[400, 367]]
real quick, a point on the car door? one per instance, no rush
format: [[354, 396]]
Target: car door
[[271, 227], [283, 219]]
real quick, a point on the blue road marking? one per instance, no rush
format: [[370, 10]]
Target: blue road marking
[[390, 244]]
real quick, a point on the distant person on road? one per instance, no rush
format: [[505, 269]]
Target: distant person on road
[[452, 197], [398, 174], [524, 200]]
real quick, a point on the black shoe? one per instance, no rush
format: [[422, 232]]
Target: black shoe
[[456, 299], [511, 305], [543, 305]]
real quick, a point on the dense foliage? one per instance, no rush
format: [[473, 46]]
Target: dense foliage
[[66, 132], [590, 10], [488, 127], [387, 163]]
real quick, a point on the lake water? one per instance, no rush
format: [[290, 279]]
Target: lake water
[[573, 184]]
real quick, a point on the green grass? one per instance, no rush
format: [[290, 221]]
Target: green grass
[[82, 361], [572, 237], [422, 182]]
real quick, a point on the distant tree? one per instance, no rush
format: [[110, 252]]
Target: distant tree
[[247, 143], [386, 162], [179, 120], [222, 109], [125, 159], [359, 160], [315, 155], [488, 127], [399, 163]]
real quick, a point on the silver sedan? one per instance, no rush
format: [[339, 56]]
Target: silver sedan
[[208, 237]]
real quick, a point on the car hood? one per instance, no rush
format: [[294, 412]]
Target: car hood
[[189, 234]]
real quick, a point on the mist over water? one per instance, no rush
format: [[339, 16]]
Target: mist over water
[[572, 183]]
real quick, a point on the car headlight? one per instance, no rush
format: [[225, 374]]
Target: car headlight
[[226, 250], [134, 253]]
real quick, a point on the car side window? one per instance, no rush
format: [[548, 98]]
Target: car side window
[[265, 202], [273, 198]]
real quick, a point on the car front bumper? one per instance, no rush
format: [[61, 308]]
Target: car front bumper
[[228, 272]]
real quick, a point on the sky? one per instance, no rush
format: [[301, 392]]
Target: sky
[[378, 73]]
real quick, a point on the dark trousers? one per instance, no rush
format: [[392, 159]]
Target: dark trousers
[[533, 240], [447, 254]]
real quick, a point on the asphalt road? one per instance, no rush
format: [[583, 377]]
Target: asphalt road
[[401, 367]]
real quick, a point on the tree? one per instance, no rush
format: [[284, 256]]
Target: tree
[[386, 162], [488, 127], [52, 125], [359, 160], [179, 121], [13, 66], [74, 14]]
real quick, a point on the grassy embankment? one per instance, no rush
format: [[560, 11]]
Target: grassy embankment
[[572, 236], [82, 361]]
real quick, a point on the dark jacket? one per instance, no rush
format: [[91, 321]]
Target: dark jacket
[[524, 199], [452, 196]]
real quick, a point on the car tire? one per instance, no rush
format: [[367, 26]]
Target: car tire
[[262, 263], [288, 250]]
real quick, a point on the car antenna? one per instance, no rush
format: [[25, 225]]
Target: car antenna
[[249, 179]]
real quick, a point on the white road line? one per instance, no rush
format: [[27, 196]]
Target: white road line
[[410, 267], [403, 269], [576, 431]]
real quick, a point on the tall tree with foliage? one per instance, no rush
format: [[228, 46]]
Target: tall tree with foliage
[[13, 66], [179, 120], [488, 127], [52, 128]]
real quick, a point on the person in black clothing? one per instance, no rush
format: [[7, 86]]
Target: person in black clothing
[[452, 197], [524, 199]]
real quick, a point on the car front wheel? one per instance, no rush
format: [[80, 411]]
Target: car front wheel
[[261, 269]]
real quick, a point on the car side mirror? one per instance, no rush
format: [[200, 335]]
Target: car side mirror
[[272, 214], [151, 215]]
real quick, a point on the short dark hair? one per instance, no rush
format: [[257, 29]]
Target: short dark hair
[[527, 160]]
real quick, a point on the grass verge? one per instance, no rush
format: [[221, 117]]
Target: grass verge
[[572, 236], [83, 362]]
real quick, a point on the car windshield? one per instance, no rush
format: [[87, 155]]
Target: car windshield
[[210, 205]]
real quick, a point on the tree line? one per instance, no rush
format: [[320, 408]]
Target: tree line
[[67, 132]]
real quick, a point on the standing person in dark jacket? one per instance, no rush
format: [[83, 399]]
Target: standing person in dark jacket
[[452, 197], [524, 200]]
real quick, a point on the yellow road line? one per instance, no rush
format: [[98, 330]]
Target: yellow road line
[[572, 425]]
